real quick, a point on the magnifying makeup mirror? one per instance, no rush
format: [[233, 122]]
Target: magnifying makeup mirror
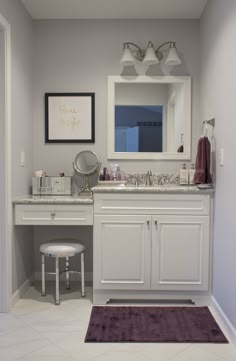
[[86, 163]]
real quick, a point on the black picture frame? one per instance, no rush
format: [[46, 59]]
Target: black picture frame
[[69, 117]]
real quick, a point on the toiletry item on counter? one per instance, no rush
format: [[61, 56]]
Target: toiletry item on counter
[[107, 176], [39, 173], [183, 175], [51, 185], [101, 176], [104, 173], [115, 171], [114, 174], [191, 174], [118, 173]]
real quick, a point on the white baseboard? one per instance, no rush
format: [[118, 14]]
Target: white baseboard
[[20, 291], [37, 277], [227, 327], [73, 277]]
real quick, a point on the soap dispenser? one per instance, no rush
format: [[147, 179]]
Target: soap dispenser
[[191, 174], [183, 176]]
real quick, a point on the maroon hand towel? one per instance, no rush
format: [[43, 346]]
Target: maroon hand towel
[[202, 167]]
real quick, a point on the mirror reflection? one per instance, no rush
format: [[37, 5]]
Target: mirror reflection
[[150, 117]]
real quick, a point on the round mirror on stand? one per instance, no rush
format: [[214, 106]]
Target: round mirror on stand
[[86, 163]]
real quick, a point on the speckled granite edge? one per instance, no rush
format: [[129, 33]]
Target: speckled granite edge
[[173, 188], [74, 199]]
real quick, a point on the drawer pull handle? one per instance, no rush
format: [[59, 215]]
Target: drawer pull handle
[[148, 224], [53, 214], [156, 223]]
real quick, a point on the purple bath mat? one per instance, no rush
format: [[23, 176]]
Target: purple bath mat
[[153, 324]]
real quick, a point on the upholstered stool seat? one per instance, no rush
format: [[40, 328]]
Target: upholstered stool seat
[[62, 248]]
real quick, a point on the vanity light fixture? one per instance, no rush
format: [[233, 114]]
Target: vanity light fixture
[[132, 52]]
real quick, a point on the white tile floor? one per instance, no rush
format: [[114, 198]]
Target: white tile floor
[[37, 330]]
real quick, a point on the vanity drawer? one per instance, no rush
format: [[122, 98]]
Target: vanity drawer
[[45, 214], [184, 204]]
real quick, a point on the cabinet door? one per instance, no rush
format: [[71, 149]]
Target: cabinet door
[[122, 252], [180, 253]]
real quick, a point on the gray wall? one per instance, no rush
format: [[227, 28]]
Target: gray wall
[[22, 32], [218, 89], [78, 56]]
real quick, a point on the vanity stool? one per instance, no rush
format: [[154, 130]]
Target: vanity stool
[[62, 248]]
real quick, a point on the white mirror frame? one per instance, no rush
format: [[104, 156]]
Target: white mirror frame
[[112, 81]]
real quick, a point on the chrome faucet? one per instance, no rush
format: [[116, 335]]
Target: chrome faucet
[[149, 179]]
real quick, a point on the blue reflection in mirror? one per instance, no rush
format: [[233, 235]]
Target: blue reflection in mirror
[[138, 128]]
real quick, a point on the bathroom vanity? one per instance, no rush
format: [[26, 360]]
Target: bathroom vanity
[[149, 242], [152, 243]]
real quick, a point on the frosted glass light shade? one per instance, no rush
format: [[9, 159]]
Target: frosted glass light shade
[[127, 56], [150, 57], [172, 57]]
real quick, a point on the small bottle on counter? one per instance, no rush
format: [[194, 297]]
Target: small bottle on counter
[[183, 175], [101, 176], [104, 173], [118, 173], [191, 174], [107, 176]]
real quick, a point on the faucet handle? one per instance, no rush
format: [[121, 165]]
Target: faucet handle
[[147, 181]]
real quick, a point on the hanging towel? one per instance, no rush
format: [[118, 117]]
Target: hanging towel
[[202, 173]]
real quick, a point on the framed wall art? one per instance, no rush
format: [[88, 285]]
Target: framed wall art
[[69, 117]]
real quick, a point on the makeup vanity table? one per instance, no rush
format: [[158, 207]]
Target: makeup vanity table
[[54, 210], [148, 242]]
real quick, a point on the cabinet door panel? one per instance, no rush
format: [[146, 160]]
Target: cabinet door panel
[[122, 252], [180, 253]]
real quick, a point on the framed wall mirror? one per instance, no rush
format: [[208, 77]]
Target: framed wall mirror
[[149, 117]]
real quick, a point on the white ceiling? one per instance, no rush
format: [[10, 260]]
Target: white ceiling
[[115, 9]]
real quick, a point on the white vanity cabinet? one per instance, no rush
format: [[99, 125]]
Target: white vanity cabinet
[[122, 246], [158, 244]]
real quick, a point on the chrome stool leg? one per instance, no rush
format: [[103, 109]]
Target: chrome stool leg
[[82, 274], [43, 275], [67, 273], [57, 282]]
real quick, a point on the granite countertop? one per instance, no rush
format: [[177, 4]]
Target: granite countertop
[[168, 188], [112, 188], [73, 199]]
